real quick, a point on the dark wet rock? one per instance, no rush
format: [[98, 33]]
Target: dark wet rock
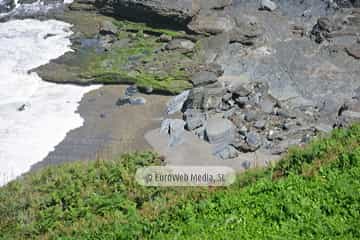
[[175, 129], [268, 5], [168, 12], [203, 78], [180, 44], [108, 27], [131, 90], [194, 119], [22, 108], [220, 131], [123, 101]]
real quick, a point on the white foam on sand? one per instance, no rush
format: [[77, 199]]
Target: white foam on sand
[[26, 137]]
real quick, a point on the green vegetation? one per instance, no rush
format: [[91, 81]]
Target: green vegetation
[[137, 59], [313, 193]]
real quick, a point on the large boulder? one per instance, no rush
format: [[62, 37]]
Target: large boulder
[[220, 131], [169, 11]]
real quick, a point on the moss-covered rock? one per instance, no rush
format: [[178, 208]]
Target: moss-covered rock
[[134, 55]]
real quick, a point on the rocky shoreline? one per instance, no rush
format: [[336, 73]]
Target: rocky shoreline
[[254, 77]]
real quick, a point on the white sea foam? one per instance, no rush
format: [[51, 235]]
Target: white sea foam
[[26, 137]]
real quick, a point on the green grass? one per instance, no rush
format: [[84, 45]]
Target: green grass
[[313, 193]]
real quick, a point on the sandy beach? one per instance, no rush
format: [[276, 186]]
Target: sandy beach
[[109, 130]]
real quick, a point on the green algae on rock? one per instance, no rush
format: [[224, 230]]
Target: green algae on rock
[[133, 55]]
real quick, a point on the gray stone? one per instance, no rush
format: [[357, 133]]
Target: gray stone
[[241, 91], [165, 38], [251, 116], [253, 140], [176, 103], [137, 101], [261, 124], [229, 152], [212, 22], [351, 115], [176, 12], [242, 101], [180, 44], [220, 131], [268, 5], [175, 128], [267, 105], [203, 78], [322, 127], [194, 119]]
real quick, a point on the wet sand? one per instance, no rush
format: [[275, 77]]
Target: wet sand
[[108, 130]]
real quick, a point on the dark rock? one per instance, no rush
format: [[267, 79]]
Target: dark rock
[[253, 142], [131, 90], [203, 78], [22, 108], [170, 12], [123, 101]]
